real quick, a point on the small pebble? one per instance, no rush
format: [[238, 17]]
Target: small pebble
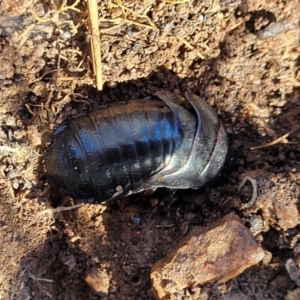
[[271, 30]]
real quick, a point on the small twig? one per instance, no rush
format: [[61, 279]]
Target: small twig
[[39, 286], [122, 20], [38, 278], [56, 78], [29, 109], [39, 20], [40, 78], [282, 139], [95, 42], [125, 8], [188, 45], [254, 190], [58, 209], [52, 211]]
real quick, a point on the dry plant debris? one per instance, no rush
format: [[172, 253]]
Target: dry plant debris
[[95, 42], [283, 139]]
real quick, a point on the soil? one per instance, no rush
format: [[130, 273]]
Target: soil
[[241, 56]]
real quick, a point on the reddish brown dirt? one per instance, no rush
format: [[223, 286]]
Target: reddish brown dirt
[[219, 50]]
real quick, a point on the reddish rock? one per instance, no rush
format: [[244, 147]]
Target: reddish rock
[[98, 281], [293, 295], [218, 252]]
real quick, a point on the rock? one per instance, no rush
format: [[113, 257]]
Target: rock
[[218, 252], [34, 135], [277, 200], [98, 281], [271, 30], [286, 212], [19, 134], [293, 295], [293, 271]]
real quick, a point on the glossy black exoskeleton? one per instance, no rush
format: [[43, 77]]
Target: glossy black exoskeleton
[[131, 146]]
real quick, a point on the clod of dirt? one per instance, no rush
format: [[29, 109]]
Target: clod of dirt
[[286, 212], [34, 135], [293, 295], [221, 251], [276, 201], [98, 281]]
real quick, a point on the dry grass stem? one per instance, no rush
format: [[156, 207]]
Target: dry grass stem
[[95, 42], [189, 46], [51, 211], [282, 140], [65, 7], [126, 9], [38, 278], [124, 19]]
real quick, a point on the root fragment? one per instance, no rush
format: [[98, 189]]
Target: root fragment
[[65, 7], [52, 211], [280, 140], [38, 278]]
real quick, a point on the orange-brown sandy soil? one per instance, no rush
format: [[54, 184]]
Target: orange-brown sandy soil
[[241, 56]]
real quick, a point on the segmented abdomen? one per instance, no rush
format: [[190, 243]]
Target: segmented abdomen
[[115, 149]]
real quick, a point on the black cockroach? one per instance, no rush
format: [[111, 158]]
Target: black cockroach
[[127, 147]]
